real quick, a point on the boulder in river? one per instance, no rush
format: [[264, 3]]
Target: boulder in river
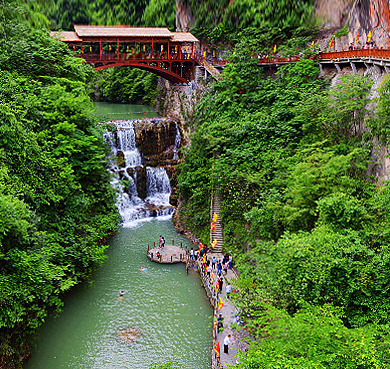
[[128, 335]]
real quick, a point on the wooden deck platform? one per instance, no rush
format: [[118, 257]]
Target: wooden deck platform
[[169, 254]]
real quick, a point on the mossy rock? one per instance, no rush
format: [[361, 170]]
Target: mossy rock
[[120, 159], [128, 335], [141, 182]]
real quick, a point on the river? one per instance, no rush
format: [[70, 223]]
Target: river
[[169, 308], [109, 111]]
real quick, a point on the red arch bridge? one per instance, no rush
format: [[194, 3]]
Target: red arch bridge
[[172, 55]]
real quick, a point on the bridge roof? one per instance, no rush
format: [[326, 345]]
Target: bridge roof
[[69, 36], [183, 37], [83, 32], [121, 31]]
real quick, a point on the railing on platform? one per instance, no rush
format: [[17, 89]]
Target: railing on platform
[[349, 54]]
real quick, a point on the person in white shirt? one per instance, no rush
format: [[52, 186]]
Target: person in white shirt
[[228, 290], [226, 343]]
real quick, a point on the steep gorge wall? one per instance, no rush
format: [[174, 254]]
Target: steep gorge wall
[[362, 16]]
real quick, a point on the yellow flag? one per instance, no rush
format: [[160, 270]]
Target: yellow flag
[[214, 243], [369, 37], [162, 49], [215, 217], [275, 49], [212, 277], [220, 304]]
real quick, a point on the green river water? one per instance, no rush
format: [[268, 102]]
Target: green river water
[[169, 308], [109, 111]]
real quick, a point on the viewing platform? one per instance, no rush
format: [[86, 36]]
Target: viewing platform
[[169, 254]]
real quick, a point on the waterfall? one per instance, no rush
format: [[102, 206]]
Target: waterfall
[[177, 143], [125, 176]]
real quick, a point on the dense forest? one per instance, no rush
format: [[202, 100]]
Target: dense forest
[[56, 203], [308, 226]]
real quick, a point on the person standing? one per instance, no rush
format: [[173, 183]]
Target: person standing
[[162, 242], [219, 268], [228, 290], [213, 262], [192, 254], [220, 323], [230, 262], [220, 285], [226, 343], [225, 267], [159, 241]]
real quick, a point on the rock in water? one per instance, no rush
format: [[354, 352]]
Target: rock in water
[[128, 335]]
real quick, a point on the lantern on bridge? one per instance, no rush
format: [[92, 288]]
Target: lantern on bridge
[[176, 49], [127, 49], [109, 48], [162, 49], [144, 48], [90, 49], [369, 37]]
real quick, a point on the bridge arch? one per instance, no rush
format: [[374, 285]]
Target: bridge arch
[[166, 72]]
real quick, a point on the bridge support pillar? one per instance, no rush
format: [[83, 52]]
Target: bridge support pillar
[[337, 67], [387, 70], [321, 70], [377, 69], [353, 66]]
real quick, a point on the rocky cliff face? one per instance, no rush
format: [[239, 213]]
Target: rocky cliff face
[[362, 16], [184, 17], [159, 143]]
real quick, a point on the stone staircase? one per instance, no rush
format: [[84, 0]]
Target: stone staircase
[[217, 234]]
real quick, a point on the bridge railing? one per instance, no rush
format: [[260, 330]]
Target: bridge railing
[[363, 53], [347, 54], [138, 56]]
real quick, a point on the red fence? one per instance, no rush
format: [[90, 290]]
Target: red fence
[[350, 54], [138, 56]]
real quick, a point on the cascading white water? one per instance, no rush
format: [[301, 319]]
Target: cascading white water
[[158, 188], [177, 143]]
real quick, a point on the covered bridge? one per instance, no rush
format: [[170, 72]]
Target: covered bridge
[[171, 55]]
